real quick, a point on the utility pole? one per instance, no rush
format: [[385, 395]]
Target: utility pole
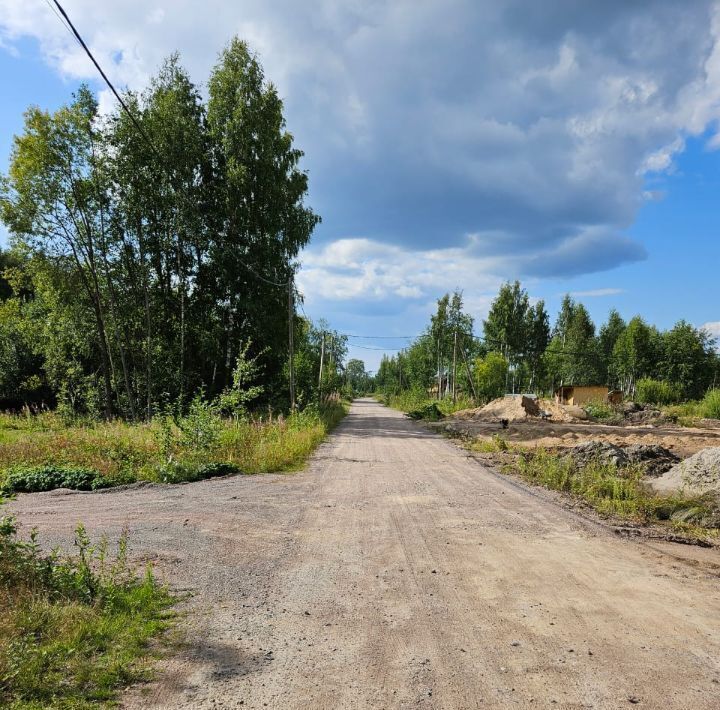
[[454, 388], [322, 360], [291, 346], [469, 374]]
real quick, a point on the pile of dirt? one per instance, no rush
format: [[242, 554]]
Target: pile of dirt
[[516, 408], [696, 475], [602, 451], [655, 459]]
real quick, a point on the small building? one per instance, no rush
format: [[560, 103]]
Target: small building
[[578, 395]]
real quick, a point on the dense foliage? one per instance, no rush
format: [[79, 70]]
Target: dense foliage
[[142, 271], [520, 352]]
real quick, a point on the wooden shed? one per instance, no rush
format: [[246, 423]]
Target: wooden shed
[[578, 395]]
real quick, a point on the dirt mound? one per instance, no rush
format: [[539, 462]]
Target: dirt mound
[[602, 451], [654, 458], [516, 408], [698, 474]]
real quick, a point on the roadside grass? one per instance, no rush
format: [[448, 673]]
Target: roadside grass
[[619, 492], [493, 445], [73, 629], [168, 449]]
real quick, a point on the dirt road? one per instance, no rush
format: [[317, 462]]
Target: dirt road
[[397, 573]]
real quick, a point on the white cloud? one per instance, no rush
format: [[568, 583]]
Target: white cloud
[[351, 269], [713, 327]]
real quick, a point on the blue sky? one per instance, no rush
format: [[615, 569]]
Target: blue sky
[[452, 143]]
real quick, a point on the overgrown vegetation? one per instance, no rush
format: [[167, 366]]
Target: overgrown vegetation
[[42, 452], [650, 391], [602, 412], [619, 492], [73, 629], [706, 408]]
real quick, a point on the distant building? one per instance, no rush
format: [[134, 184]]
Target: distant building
[[578, 395]]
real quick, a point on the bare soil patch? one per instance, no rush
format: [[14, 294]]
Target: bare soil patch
[[534, 432]]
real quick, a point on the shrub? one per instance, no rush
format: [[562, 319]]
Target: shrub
[[649, 391], [35, 479], [200, 428], [601, 411], [428, 412], [710, 405]]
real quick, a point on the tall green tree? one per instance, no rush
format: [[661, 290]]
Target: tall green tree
[[53, 201], [687, 359], [610, 331], [260, 219], [635, 355]]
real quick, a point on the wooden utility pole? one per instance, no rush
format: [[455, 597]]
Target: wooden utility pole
[[322, 360], [291, 347], [469, 374], [454, 388]]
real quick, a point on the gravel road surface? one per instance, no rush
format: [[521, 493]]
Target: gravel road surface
[[396, 572]]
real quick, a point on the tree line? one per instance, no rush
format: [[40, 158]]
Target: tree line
[[153, 253], [519, 351]]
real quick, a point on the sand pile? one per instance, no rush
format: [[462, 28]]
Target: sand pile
[[696, 475], [516, 408]]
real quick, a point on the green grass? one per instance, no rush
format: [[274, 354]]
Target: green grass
[[73, 629], [493, 445], [618, 492], [166, 449], [688, 412]]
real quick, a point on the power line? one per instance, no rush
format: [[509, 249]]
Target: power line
[[81, 41], [381, 337], [59, 16], [369, 347]]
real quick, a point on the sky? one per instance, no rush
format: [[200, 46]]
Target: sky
[[450, 144]]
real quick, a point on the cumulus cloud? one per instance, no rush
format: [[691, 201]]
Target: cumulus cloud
[[512, 137], [348, 269]]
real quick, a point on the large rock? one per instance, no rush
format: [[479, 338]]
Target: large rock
[[696, 475], [602, 451], [654, 458]]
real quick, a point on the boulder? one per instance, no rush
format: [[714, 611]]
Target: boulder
[[696, 475], [576, 412]]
